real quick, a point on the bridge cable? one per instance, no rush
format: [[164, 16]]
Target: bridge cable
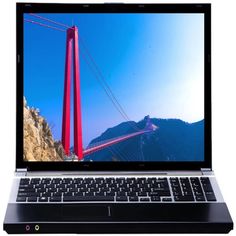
[[51, 21], [44, 25], [101, 75], [107, 90], [104, 82], [97, 77]]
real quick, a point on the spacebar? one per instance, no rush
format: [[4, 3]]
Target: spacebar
[[87, 198]]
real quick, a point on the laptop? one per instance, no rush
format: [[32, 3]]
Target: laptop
[[114, 121]]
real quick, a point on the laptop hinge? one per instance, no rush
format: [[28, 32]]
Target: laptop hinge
[[206, 171], [21, 172]]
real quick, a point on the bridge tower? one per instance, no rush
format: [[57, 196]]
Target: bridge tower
[[72, 59]]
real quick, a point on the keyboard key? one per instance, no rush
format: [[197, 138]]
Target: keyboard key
[[121, 194], [144, 199], [121, 198], [133, 199], [152, 194], [167, 199], [43, 199], [46, 194], [162, 179], [88, 198], [177, 193], [155, 199], [68, 194], [26, 189], [207, 187], [56, 194], [196, 193], [109, 194], [55, 199], [183, 198], [24, 181], [35, 181], [21, 199], [200, 198], [205, 180], [163, 193], [210, 196], [142, 194], [32, 199], [26, 194]]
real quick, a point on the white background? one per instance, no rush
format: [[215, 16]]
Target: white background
[[223, 98]]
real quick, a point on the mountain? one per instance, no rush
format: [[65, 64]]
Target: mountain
[[166, 140], [173, 140], [39, 144]]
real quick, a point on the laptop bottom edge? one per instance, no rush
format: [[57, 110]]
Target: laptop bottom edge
[[118, 218]]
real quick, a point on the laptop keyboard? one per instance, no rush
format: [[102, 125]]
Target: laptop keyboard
[[177, 189]]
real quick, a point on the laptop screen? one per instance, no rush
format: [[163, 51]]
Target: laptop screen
[[113, 87]]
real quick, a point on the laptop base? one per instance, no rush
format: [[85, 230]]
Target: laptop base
[[118, 218]]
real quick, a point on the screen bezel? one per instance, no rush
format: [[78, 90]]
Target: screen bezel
[[22, 8]]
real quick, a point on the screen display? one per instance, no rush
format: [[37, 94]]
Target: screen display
[[114, 87]]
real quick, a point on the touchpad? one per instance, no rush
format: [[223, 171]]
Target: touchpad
[[84, 212]]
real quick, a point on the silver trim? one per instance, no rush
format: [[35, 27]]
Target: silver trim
[[112, 173], [21, 172], [21, 169], [215, 187], [207, 171], [14, 190]]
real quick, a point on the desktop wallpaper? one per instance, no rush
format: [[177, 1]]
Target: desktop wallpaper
[[113, 87]]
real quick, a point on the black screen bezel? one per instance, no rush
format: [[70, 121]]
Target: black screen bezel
[[22, 8]]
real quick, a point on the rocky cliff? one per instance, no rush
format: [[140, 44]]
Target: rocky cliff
[[39, 144]]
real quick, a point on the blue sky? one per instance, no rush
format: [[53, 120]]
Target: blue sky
[[154, 64]]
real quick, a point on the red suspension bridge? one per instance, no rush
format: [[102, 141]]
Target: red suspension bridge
[[72, 59]]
